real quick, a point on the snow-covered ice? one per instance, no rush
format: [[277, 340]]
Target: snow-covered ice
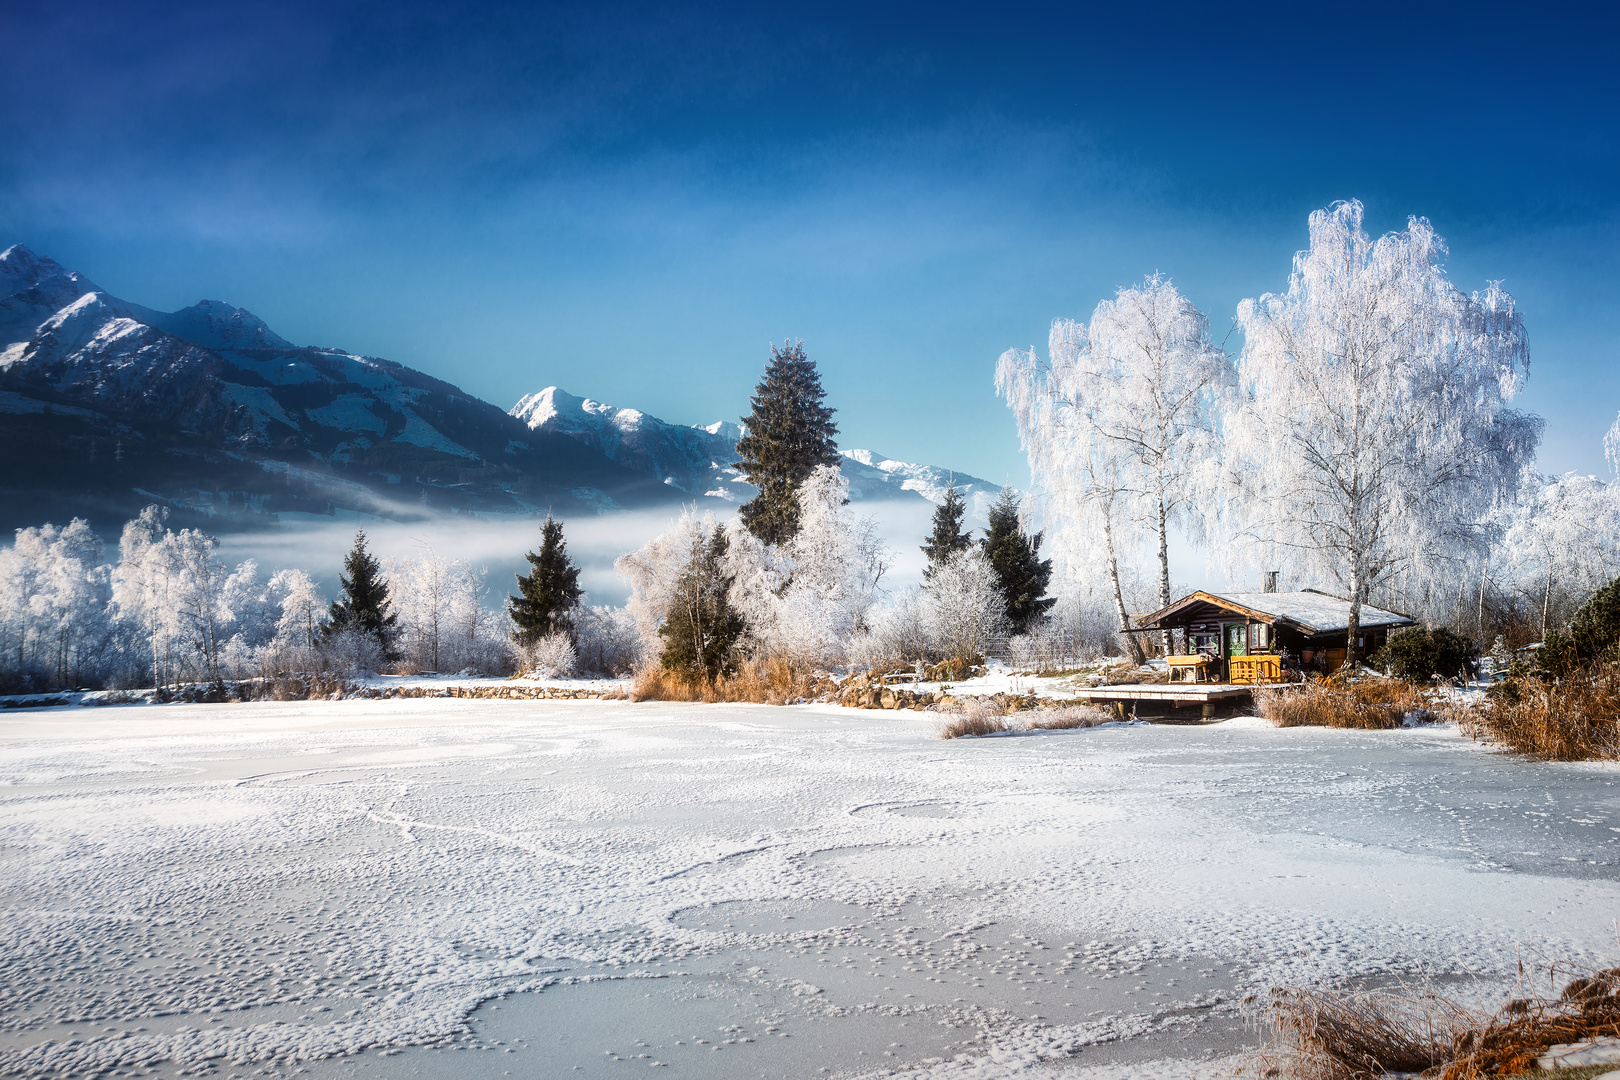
[[466, 888]]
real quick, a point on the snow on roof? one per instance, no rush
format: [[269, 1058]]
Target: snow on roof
[[1318, 611]]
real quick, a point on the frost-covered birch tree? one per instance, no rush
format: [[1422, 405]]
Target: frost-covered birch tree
[[302, 609], [962, 606], [1119, 424], [1164, 385], [1374, 437]]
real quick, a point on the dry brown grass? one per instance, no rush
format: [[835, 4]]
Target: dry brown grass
[[985, 716], [1066, 717], [1361, 1035], [1368, 704], [972, 718], [770, 681], [1574, 719]]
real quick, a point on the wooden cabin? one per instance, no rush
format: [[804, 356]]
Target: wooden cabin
[[1305, 630]]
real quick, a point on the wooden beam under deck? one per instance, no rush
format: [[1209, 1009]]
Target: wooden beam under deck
[[1169, 693]]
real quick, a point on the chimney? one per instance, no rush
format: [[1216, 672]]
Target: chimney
[[1271, 581]]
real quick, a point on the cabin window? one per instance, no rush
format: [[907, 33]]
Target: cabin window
[[1205, 642], [1259, 636]]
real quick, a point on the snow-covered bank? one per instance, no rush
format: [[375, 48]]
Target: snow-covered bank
[[282, 883]]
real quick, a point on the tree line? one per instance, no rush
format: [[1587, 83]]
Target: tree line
[[1361, 440]]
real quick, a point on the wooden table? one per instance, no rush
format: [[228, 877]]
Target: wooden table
[[1194, 668]]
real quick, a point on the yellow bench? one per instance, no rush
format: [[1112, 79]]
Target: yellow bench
[[1260, 668]]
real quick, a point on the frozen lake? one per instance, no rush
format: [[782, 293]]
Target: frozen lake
[[447, 888]]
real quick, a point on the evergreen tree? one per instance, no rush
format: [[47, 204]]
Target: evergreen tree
[[702, 627], [550, 591], [1596, 626], [790, 432], [947, 538], [1015, 557], [364, 604]]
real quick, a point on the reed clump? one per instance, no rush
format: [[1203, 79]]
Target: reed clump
[[986, 716], [1365, 704], [765, 681], [1573, 718], [1325, 1034]]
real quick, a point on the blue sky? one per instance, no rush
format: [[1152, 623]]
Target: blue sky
[[630, 201]]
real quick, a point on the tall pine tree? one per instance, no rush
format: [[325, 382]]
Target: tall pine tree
[[790, 432], [1015, 556], [549, 592], [364, 604], [947, 538], [702, 627]]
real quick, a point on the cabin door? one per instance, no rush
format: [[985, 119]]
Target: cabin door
[[1237, 639]]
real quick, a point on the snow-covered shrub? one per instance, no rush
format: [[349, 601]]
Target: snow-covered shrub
[[1024, 652], [606, 640], [550, 657], [898, 636], [353, 653], [803, 601], [962, 605]]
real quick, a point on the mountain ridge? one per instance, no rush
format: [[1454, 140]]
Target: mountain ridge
[[209, 411]]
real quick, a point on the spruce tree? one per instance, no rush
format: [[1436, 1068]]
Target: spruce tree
[[790, 432], [947, 538], [364, 605], [702, 627], [549, 592], [1015, 556]]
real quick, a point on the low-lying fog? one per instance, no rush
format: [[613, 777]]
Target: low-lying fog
[[317, 545]]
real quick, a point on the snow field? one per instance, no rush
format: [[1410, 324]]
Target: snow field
[[557, 888]]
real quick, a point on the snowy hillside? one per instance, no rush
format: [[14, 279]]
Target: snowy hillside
[[699, 460]]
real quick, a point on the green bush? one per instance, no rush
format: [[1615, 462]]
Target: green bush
[[1420, 654], [1595, 630], [1558, 655]]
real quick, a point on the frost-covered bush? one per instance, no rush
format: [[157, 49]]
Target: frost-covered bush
[[353, 653], [804, 600], [606, 640], [962, 605], [1024, 652], [898, 636], [550, 657]]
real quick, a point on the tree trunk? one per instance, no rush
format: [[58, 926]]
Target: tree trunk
[[1164, 567], [1352, 652], [1132, 645], [1546, 600]]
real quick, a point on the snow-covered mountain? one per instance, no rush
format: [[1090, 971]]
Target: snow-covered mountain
[[699, 459], [209, 410], [106, 405]]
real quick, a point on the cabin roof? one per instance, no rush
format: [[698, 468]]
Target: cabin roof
[[1308, 610]]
